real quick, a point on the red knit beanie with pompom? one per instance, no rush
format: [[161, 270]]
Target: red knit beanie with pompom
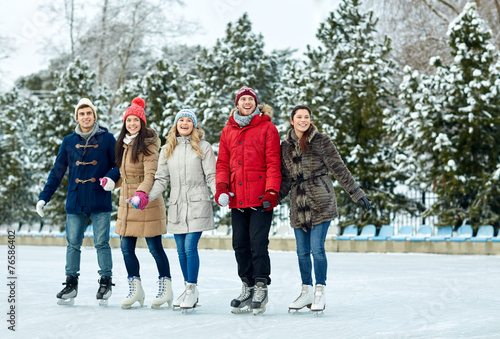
[[137, 109]]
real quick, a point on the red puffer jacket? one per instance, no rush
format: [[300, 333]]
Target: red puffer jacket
[[249, 159]]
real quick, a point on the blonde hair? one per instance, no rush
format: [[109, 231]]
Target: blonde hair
[[196, 136]]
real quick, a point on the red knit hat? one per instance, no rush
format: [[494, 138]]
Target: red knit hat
[[245, 91], [137, 109]]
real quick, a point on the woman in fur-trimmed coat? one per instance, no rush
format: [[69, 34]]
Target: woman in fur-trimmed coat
[[307, 158]]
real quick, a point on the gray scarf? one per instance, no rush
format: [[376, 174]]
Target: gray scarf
[[244, 120], [87, 135]]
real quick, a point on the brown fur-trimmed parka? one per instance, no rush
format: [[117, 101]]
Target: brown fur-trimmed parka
[[306, 176]]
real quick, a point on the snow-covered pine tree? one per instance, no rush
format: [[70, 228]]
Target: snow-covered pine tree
[[58, 121], [348, 82], [236, 60], [163, 90], [16, 143], [453, 116]]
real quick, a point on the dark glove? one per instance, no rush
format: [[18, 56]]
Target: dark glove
[[365, 202], [221, 189], [269, 200]]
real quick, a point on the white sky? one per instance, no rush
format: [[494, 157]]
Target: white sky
[[283, 23]]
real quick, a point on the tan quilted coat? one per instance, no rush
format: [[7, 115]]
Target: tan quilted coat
[[152, 220]]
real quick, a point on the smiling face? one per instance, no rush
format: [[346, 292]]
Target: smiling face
[[301, 122], [185, 126], [133, 124], [86, 118], [246, 105]]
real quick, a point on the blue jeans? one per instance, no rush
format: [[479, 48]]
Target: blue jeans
[[312, 241], [75, 228], [187, 249], [155, 248]]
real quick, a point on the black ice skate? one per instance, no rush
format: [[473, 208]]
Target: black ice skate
[[242, 303], [259, 300], [68, 294], [104, 291]]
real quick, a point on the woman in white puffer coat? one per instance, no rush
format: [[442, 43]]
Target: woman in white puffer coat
[[187, 163]]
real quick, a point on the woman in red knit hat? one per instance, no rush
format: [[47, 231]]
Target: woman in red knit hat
[[136, 153]]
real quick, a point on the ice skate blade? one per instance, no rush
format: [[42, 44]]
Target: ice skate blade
[[103, 302], [257, 311], [298, 312], [187, 310], [238, 310], [66, 302], [161, 307], [294, 310], [128, 307], [131, 307], [318, 313], [167, 304]]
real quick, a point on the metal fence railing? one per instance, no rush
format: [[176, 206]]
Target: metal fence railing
[[281, 225]]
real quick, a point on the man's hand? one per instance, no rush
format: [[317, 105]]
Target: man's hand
[[107, 183], [39, 207], [269, 200]]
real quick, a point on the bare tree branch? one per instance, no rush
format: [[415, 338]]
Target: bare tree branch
[[447, 4], [435, 11]]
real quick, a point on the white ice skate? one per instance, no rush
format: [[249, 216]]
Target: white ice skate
[[259, 299], [165, 294], [177, 303], [305, 299], [318, 305], [242, 304], [67, 295], [136, 293], [190, 300]]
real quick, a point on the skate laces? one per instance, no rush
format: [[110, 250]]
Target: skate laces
[[161, 288], [318, 295], [259, 293], [246, 292], [104, 284], [68, 288], [190, 290], [131, 288]]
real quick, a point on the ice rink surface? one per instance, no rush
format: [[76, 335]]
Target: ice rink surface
[[368, 296]]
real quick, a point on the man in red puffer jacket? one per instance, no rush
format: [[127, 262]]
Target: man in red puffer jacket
[[248, 178]]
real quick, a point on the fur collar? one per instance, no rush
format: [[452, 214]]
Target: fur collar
[[292, 137], [304, 212], [264, 110]]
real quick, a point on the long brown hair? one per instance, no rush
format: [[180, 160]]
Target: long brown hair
[[303, 140], [139, 145]]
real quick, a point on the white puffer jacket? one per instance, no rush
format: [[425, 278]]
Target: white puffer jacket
[[189, 204]]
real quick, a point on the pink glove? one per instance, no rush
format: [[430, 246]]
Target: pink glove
[[140, 200]]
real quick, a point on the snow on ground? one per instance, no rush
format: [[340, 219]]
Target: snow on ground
[[368, 296]]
